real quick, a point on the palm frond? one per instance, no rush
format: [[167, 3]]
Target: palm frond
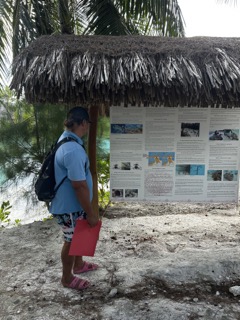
[[32, 19], [65, 17], [45, 16], [23, 26], [103, 18], [80, 18], [119, 17], [155, 17], [5, 40]]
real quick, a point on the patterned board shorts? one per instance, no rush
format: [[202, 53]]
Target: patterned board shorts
[[67, 222]]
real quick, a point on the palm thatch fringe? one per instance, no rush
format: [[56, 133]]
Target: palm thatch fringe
[[134, 70]]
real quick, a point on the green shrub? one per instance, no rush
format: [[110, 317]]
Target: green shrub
[[103, 182], [4, 212], [17, 222]]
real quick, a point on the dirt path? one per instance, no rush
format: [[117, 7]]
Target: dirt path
[[165, 262]]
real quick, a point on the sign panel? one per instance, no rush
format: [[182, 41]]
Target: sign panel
[[174, 154]]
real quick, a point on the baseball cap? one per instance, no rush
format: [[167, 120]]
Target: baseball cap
[[78, 114]]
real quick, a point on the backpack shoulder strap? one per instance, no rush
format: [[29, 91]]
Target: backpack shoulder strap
[[66, 139], [57, 145]]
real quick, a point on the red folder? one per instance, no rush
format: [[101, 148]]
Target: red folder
[[84, 239]]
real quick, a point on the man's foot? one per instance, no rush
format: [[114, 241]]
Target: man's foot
[[86, 267], [77, 284]]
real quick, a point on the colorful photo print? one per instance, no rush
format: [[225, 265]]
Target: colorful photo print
[[131, 193], [161, 159], [117, 193], [133, 128], [190, 130], [117, 128], [224, 134], [190, 169], [214, 175], [126, 128], [183, 169], [230, 175], [197, 170]]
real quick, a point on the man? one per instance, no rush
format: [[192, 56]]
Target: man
[[73, 199]]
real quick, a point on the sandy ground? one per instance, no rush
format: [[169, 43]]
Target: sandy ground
[[166, 262]]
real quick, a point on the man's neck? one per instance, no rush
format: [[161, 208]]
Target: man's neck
[[77, 132]]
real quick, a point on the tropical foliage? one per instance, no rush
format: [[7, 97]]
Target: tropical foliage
[[22, 21], [26, 134], [5, 212], [103, 162], [103, 169]]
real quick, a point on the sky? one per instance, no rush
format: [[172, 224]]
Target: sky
[[211, 18]]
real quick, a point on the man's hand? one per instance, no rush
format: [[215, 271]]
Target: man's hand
[[92, 220], [82, 193]]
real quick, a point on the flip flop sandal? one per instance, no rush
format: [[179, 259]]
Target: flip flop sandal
[[77, 284], [86, 267]]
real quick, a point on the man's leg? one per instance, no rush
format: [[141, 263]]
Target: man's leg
[[78, 263], [68, 279], [71, 264], [81, 266], [67, 264]]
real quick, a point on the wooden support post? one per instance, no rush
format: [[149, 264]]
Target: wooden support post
[[92, 146]]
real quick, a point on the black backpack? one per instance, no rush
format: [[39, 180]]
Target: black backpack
[[45, 186]]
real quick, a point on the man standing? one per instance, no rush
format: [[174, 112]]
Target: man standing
[[73, 199]]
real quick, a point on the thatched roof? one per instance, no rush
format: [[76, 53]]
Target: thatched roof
[[133, 70]]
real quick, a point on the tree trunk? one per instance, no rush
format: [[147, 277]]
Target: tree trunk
[[65, 17], [92, 146]]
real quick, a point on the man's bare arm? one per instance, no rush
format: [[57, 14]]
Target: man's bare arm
[[82, 193]]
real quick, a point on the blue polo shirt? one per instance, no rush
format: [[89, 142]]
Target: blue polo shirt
[[72, 161]]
